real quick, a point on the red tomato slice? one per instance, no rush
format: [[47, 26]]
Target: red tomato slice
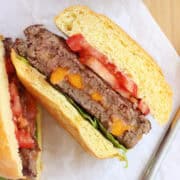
[[100, 64], [78, 44], [30, 106], [29, 110], [9, 67], [143, 107], [101, 70], [23, 109], [15, 100], [111, 67], [124, 93], [25, 140]]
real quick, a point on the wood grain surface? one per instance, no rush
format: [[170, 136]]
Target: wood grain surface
[[167, 15]]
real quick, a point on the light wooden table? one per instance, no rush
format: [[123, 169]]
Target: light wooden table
[[167, 15]]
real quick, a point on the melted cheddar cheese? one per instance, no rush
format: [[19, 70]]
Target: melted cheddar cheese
[[58, 75], [119, 127], [75, 80], [96, 96]]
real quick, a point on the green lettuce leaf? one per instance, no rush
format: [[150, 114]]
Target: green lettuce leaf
[[22, 59], [86, 116], [110, 137]]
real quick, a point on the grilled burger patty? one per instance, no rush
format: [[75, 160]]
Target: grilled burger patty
[[27, 120], [50, 54]]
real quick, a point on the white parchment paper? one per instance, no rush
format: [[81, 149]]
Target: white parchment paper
[[63, 158]]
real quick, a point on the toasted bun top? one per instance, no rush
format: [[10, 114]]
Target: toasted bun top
[[124, 52], [10, 162], [56, 103]]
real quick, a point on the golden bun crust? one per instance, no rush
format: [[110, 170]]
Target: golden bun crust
[[124, 52], [10, 162], [67, 116]]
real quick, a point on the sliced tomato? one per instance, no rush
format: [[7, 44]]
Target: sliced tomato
[[124, 93], [127, 84], [111, 67], [22, 122], [25, 140], [105, 74], [30, 105], [78, 44], [9, 67], [29, 110], [101, 70], [143, 107], [15, 100], [100, 64], [23, 109]]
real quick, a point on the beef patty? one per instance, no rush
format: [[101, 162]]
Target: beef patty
[[47, 52]]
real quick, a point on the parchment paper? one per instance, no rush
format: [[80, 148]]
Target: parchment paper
[[63, 158]]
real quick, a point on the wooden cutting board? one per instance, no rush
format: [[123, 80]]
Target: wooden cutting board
[[167, 15]]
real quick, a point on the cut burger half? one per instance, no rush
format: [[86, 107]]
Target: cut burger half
[[51, 56], [20, 131], [111, 116]]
